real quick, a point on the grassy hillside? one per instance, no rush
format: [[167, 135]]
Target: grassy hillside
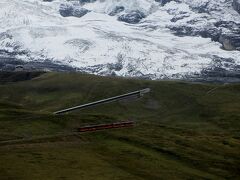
[[183, 130]]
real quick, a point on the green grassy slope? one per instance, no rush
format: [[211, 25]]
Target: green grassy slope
[[183, 130]]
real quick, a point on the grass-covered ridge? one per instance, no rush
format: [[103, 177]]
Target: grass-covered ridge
[[183, 130]]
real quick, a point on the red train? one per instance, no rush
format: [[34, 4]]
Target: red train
[[106, 126]]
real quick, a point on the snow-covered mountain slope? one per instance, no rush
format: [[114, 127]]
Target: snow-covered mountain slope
[[138, 38]]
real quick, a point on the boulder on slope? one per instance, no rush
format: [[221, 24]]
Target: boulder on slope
[[67, 10], [133, 17]]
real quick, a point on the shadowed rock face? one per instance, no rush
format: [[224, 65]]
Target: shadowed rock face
[[163, 2], [86, 1], [132, 17], [67, 10], [10, 64], [229, 40], [236, 5], [116, 10]]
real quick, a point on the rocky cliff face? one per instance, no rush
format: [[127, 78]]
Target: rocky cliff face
[[225, 32], [230, 41], [222, 30], [67, 10], [236, 5]]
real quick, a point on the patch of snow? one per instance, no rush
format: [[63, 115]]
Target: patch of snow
[[99, 39]]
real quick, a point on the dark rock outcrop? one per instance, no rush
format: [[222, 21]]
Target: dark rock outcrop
[[116, 10], [67, 10], [225, 32], [79, 12], [222, 70], [9, 63], [236, 5], [210, 32], [163, 2], [230, 41], [230, 25], [133, 17], [177, 18], [86, 1]]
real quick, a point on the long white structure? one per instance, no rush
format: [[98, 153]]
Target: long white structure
[[137, 94]]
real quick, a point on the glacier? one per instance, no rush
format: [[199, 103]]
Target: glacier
[[165, 41]]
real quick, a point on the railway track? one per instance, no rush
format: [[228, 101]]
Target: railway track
[[78, 131]]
